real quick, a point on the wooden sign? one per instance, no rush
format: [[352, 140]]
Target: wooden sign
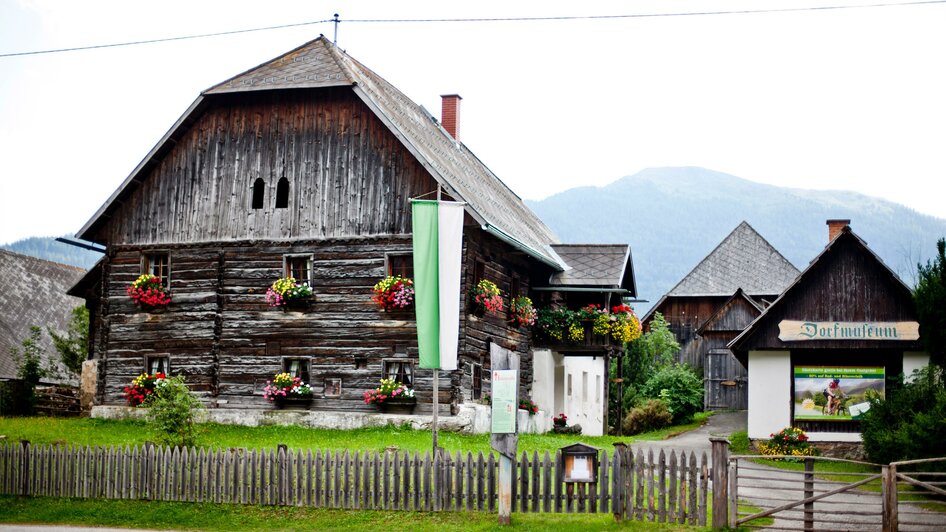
[[800, 331]]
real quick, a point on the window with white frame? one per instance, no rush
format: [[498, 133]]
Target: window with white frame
[[297, 367], [400, 370]]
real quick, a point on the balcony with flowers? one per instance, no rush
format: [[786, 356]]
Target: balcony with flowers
[[589, 329]]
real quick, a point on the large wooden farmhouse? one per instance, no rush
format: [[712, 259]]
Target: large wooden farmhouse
[[305, 166], [719, 298]]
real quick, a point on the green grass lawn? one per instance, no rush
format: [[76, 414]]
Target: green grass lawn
[[196, 516], [84, 431]]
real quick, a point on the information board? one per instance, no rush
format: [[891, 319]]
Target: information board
[[505, 401]]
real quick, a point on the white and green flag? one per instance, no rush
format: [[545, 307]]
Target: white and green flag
[[438, 246]]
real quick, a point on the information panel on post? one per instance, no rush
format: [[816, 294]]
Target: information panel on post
[[505, 402]]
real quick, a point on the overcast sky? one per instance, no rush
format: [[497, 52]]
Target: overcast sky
[[825, 98]]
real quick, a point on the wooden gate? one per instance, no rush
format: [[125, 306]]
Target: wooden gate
[[724, 382]]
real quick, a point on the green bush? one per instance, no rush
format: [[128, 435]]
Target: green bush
[[680, 387], [172, 412], [653, 414], [911, 423]]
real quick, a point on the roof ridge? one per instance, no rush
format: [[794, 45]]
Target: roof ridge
[[32, 257]]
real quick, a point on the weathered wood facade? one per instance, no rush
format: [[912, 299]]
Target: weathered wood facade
[[312, 156], [846, 283], [725, 380]]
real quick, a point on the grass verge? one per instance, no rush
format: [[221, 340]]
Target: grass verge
[[211, 517]]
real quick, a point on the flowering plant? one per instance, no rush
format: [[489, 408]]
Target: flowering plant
[[625, 326], [560, 420], [143, 386], [487, 297], [394, 292], [521, 312], [285, 385], [148, 291], [389, 389], [528, 406], [285, 289], [790, 441]]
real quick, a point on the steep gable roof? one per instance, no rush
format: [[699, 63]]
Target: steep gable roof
[[319, 64], [733, 315], [742, 260], [32, 292], [596, 266], [847, 297]]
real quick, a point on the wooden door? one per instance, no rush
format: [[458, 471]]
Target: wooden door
[[724, 382]]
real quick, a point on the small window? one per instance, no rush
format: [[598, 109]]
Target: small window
[[569, 384], [597, 388], [156, 364], [479, 272], [159, 265], [476, 371], [282, 193], [515, 287], [333, 387], [299, 267], [400, 264], [584, 386], [297, 367], [400, 370], [259, 189]]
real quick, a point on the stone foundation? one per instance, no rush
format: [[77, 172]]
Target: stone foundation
[[845, 450], [470, 418]]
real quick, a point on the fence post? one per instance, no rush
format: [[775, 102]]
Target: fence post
[[150, 481], [617, 480], [809, 492], [720, 476], [733, 492], [25, 468], [889, 497], [281, 450]]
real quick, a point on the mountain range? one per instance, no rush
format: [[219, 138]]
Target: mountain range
[[674, 217]]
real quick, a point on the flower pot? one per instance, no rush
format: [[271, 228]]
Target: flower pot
[[398, 405], [297, 303], [293, 403]]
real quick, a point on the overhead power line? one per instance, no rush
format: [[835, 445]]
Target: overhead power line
[[337, 20]]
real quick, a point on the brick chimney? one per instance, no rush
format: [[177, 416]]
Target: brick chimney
[[450, 114], [835, 227]]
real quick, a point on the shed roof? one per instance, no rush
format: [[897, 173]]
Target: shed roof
[[319, 64], [32, 292]]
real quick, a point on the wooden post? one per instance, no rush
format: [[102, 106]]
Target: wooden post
[[25, 467], [433, 423], [809, 492], [720, 474], [889, 498], [733, 493], [505, 444], [618, 479]]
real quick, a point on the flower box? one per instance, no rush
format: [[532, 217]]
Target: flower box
[[293, 403], [398, 405]]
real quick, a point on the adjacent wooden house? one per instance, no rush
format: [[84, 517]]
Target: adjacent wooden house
[[305, 166], [845, 328], [716, 301]]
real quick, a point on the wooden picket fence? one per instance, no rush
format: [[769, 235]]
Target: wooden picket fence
[[670, 488]]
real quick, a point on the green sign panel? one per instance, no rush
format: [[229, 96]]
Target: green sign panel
[[505, 401], [836, 393]]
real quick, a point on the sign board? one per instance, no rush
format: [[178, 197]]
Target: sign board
[[800, 331], [505, 401], [836, 393]]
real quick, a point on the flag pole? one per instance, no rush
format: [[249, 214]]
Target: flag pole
[[433, 424]]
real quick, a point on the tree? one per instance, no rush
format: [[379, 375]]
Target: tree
[[73, 347], [930, 298], [655, 349], [29, 363], [172, 412]]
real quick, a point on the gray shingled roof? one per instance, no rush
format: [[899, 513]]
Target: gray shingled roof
[[32, 292], [319, 64], [742, 260], [595, 265]]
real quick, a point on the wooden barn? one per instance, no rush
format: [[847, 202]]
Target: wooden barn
[[306, 166], [835, 337], [713, 303]]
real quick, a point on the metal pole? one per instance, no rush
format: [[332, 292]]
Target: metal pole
[[335, 38], [433, 423]]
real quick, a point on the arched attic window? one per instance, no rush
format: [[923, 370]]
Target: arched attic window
[[259, 188], [282, 193]]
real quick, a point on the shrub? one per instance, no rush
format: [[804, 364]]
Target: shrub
[[789, 441], [173, 411], [680, 388], [911, 423], [653, 414]]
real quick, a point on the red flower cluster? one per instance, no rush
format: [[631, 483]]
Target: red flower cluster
[[528, 406], [141, 387], [148, 291], [560, 420], [622, 309]]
